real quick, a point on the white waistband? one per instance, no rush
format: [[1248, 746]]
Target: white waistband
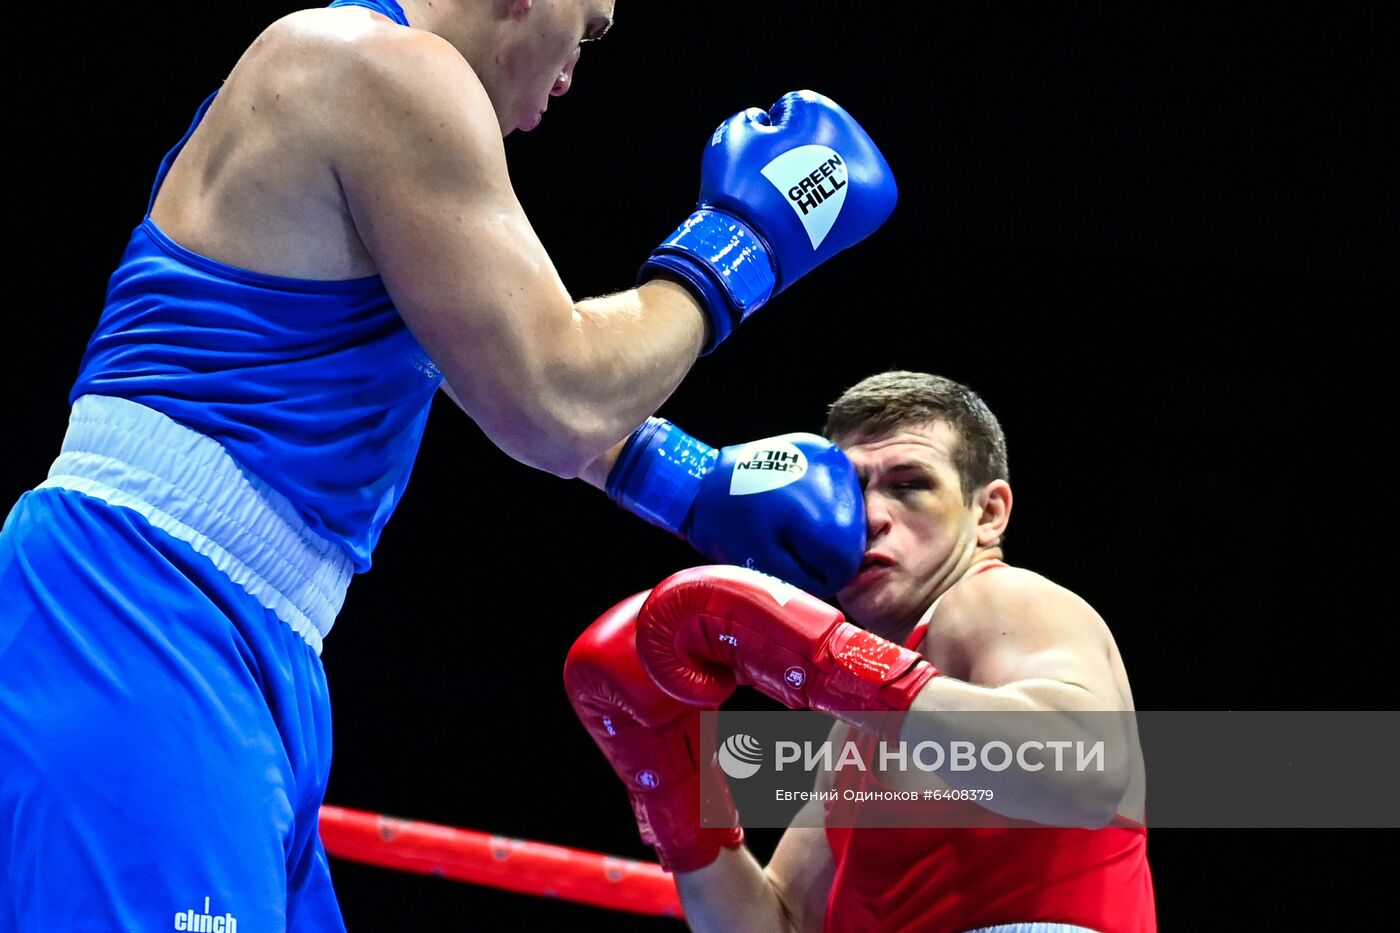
[[1032, 928], [187, 485]]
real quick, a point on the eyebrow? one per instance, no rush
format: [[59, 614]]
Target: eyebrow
[[902, 467], [909, 466]]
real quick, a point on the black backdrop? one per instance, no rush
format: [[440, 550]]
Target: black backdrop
[[1158, 240]]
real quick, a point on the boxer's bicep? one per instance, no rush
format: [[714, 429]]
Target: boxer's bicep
[[425, 179], [802, 868]]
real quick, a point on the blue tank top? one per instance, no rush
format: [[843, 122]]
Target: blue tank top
[[315, 387]]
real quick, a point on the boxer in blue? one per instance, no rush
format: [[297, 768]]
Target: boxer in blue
[[334, 240]]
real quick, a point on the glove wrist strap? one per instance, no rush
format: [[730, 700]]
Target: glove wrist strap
[[658, 473], [724, 261]]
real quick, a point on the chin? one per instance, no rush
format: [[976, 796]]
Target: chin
[[859, 611], [876, 612]]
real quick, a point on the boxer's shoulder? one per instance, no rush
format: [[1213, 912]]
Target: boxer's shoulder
[[392, 103], [260, 184], [1010, 605], [333, 69], [1004, 591]]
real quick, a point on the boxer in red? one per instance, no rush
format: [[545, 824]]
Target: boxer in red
[[946, 626]]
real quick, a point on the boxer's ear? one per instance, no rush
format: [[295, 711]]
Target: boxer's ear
[[994, 502]]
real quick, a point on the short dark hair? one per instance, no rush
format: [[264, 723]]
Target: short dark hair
[[898, 399]]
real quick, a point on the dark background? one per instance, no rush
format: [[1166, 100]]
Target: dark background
[[1160, 241]]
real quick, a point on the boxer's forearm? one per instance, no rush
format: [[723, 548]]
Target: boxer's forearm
[[1068, 797], [596, 473], [577, 391], [731, 895], [630, 351]]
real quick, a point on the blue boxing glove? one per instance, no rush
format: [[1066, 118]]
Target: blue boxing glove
[[780, 192], [790, 506]]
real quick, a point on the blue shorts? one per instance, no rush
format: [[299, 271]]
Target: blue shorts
[[165, 739]]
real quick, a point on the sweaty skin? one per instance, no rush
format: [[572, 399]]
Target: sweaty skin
[[343, 145]]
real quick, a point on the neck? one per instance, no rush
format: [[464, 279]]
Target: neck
[[902, 629], [463, 23]]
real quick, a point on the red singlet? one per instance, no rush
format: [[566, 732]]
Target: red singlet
[[941, 880]]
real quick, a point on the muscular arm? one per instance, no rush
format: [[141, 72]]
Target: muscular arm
[[595, 474], [1024, 645], [553, 382], [735, 894]]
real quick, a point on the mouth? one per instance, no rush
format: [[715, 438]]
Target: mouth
[[876, 559], [872, 568]]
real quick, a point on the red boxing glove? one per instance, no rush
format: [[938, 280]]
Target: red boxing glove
[[705, 629], [651, 740]]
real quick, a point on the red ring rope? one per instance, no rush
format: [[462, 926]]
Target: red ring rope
[[496, 861]]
